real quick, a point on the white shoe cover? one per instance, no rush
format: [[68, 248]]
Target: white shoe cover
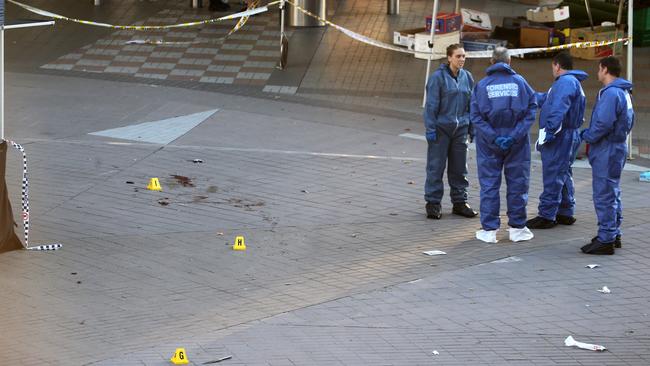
[[489, 236], [520, 234]]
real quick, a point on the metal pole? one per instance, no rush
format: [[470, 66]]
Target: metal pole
[[620, 12], [2, 81], [630, 64], [393, 7], [97, 2], [433, 34], [284, 43], [591, 19], [457, 7]]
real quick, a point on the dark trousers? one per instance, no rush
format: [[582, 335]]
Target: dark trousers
[[450, 150]]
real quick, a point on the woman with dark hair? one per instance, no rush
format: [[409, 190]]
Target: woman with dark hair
[[447, 122]]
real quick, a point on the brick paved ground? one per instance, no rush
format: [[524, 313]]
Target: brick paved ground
[[329, 198], [334, 231]]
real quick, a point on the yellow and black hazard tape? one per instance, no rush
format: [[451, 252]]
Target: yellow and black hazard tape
[[247, 13], [470, 54]]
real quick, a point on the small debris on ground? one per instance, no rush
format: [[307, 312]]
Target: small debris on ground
[[605, 290], [217, 361], [304, 191], [435, 352], [164, 201], [129, 182], [434, 252], [220, 233], [570, 342], [411, 182], [592, 266], [197, 161]]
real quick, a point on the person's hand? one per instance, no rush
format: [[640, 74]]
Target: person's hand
[[504, 142], [582, 135], [549, 137], [431, 136]]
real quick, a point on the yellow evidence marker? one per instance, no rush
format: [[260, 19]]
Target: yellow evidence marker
[[180, 357], [239, 243], [154, 185]]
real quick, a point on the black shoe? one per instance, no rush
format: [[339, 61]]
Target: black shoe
[[598, 248], [540, 223], [433, 211], [565, 220], [463, 209], [617, 242]]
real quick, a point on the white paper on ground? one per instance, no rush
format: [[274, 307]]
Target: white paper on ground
[[434, 252], [508, 260], [592, 266], [605, 290], [435, 352], [488, 236], [570, 342]]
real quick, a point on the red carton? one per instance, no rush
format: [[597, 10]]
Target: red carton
[[445, 23]]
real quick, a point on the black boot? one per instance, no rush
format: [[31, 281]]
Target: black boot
[[617, 242], [598, 248], [433, 211], [540, 223], [463, 209], [565, 220]]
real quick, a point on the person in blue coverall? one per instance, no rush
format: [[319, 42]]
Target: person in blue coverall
[[611, 121], [446, 119], [562, 114], [503, 109]]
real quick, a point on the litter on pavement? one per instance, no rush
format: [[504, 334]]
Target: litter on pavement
[[434, 252], [570, 342], [592, 266], [605, 290]]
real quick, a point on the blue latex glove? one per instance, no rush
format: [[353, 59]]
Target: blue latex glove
[[550, 136], [499, 141], [582, 135], [504, 142], [509, 142], [431, 136]]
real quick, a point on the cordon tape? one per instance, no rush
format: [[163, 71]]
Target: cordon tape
[[25, 205]]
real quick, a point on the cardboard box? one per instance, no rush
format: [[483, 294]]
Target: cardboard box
[[440, 44], [510, 35], [534, 37], [483, 44], [546, 15], [406, 37], [598, 34], [445, 23], [475, 21], [472, 36], [550, 3]]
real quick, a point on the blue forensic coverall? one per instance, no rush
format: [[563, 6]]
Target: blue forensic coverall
[[503, 104], [611, 121], [447, 122], [562, 114]]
